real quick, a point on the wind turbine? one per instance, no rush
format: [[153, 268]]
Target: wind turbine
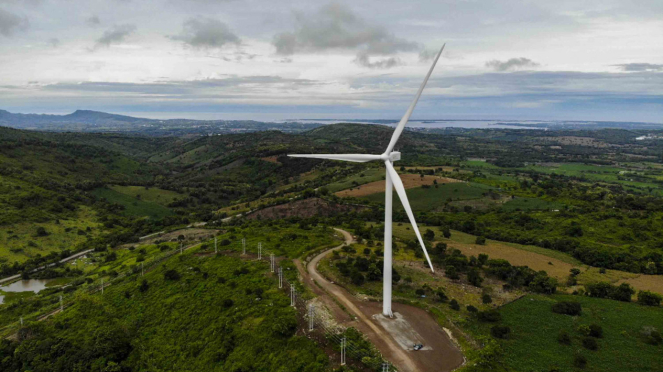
[[393, 181]]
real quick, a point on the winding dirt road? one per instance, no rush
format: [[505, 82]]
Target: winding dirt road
[[442, 355]]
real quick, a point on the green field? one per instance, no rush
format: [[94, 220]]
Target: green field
[[132, 328], [149, 194], [366, 176], [20, 241], [534, 345], [132, 205], [528, 204], [424, 200]]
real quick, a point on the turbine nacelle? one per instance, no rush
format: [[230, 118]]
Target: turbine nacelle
[[392, 157]]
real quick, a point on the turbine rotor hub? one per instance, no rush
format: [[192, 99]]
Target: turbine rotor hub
[[393, 156]]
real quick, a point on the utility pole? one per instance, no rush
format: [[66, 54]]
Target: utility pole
[[260, 251], [343, 351], [293, 294], [280, 277], [61, 306], [21, 321], [310, 317], [271, 265], [215, 250], [243, 246]]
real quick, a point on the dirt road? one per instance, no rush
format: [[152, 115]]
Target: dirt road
[[442, 354]]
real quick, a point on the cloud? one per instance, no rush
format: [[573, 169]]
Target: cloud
[[363, 59], [115, 34], [206, 33], [54, 42], [93, 21], [10, 23], [638, 67], [335, 27], [521, 63]]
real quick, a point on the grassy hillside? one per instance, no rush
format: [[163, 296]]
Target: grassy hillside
[[224, 319], [533, 345]]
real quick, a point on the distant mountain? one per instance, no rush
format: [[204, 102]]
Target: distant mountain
[[95, 121], [75, 119]]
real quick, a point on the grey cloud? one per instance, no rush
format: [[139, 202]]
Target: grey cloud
[[336, 27], [512, 64], [10, 23], [182, 87], [93, 21], [632, 67], [206, 33], [363, 59], [115, 34], [427, 54]]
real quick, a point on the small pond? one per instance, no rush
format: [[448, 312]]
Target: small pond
[[34, 285]]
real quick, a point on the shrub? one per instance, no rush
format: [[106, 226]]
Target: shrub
[[502, 332], [472, 309], [441, 296], [42, 231], [454, 305], [357, 278], [490, 316], [228, 303], [654, 338], [564, 338], [567, 307], [590, 343], [420, 292], [486, 299], [171, 275], [595, 330], [481, 241], [580, 361], [649, 298], [474, 277], [451, 272], [144, 286]]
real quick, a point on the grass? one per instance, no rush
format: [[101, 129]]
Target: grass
[[18, 242], [149, 194], [535, 327], [132, 205], [528, 204], [424, 200], [365, 176]]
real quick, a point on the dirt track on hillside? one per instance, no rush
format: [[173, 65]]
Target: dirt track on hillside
[[443, 355]]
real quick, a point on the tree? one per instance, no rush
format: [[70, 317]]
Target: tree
[[472, 309], [454, 305], [564, 338], [446, 232], [595, 331], [490, 316], [486, 299], [567, 307], [500, 331], [429, 234], [144, 286], [42, 231], [451, 272], [357, 278], [580, 361], [474, 277], [480, 240], [649, 298], [590, 343], [171, 275], [482, 259], [395, 276], [227, 303], [441, 296]]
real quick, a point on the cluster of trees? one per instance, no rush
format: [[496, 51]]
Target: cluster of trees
[[623, 292]]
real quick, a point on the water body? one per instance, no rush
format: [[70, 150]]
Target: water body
[[34, 285], [431, 124]]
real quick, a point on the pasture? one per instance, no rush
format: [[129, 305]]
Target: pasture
[[409, 181], [430, 199], [533, 345], [132, 205]]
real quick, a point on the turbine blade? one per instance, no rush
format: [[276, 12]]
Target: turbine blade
[[406, 117], [400, 190], [358, 158]]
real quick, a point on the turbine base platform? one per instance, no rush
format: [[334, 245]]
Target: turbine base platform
[[401, 331]]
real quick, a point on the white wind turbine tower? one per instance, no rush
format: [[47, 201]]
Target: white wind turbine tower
[[393, 181]]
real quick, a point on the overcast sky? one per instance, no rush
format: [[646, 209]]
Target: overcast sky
[[508, 59]]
